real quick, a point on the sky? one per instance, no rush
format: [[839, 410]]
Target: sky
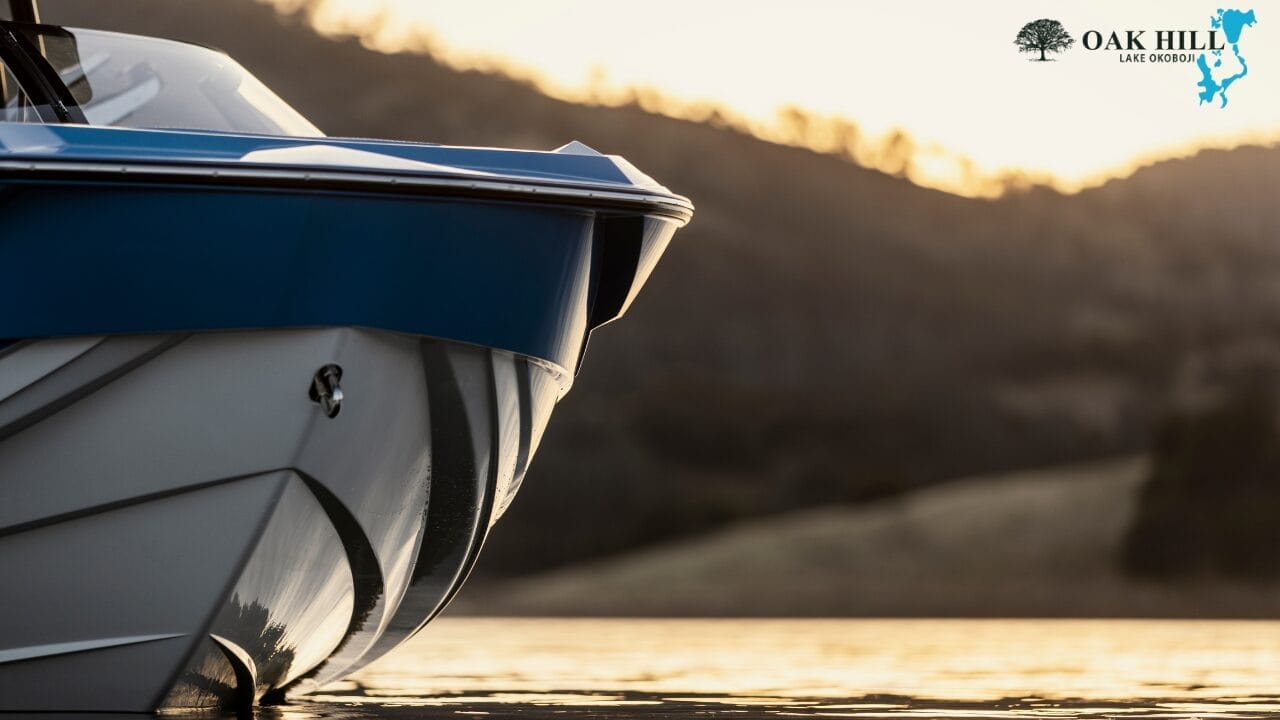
[[946, 73]]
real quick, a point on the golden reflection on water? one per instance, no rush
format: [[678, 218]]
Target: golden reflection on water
[[819, 668]]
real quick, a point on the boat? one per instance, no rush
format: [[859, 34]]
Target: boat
[[263, 392]]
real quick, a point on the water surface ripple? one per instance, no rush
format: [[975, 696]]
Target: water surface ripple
[[589, 668]]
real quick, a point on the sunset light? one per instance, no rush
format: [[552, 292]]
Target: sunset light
[[946, 74]]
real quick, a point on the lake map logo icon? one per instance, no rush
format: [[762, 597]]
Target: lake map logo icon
[[1214, 77]]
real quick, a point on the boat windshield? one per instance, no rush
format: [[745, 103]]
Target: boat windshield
[[17, 105], [141, 82]]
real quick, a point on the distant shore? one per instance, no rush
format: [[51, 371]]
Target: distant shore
[[1041, 543]]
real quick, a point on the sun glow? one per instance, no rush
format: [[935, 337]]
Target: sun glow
[[933, 91]]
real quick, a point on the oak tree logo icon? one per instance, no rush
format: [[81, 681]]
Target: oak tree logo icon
[[1043, 36]]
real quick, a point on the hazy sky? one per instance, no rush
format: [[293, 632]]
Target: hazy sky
[[946, 72]]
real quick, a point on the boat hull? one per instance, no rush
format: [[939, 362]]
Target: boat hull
[[186, 526], [261, 398]]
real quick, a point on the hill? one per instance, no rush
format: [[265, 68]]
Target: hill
[[1046, 543], [822, 333]]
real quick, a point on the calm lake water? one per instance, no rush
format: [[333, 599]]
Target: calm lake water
[[536, 668]]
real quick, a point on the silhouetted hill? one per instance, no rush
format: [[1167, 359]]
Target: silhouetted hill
[[1207, 511], [821, 332]]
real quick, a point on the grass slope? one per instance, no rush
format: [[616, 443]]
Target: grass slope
[[1038, 543]]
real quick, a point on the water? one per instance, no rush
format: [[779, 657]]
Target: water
[[545, 668]]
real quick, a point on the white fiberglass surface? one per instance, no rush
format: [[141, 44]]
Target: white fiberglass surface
[[507, 390], [28, 363]]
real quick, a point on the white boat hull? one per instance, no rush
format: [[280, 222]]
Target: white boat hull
[[184, 526]]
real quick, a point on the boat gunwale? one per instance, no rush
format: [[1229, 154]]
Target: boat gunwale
[[597, 196]]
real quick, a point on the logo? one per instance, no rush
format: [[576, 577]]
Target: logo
[[1043, 36], [1215, 51], [1214, 81]]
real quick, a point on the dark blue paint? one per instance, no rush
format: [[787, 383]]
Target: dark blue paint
[[94, 258], [105, 256]]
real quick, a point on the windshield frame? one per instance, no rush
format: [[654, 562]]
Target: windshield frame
[[51, 98]]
